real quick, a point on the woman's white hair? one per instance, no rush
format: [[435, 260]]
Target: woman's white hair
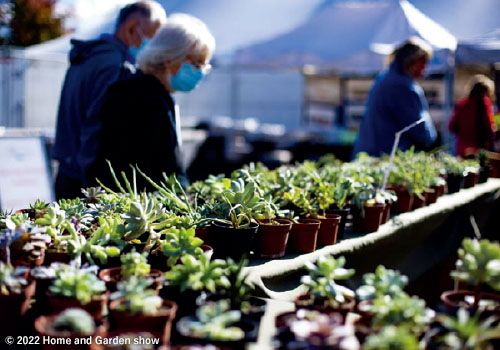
[[182, 35]]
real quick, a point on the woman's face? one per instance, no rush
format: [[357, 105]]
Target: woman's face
[[185, 75], [418, 68]]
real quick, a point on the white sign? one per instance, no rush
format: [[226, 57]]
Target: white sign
[[24, 172]]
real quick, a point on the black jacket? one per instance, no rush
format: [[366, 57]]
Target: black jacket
[[95, 65], [138, 127]]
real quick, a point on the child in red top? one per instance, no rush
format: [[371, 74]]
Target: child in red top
[[473, 121]]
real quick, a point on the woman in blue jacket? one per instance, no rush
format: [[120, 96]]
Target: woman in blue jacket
[[396, 101]]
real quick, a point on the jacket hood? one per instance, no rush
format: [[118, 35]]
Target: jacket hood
[[84, 49]]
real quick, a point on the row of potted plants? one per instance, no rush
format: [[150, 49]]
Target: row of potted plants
[[381, 315]]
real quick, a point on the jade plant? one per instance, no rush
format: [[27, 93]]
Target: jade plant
[[322, 277], [214, 321], [382, 282], [198, 274], [478, 264], [75, 321], [137, 297], [75, 283], [12, 279], [178, 242]]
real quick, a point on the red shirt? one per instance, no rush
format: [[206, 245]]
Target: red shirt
[[473, 125]]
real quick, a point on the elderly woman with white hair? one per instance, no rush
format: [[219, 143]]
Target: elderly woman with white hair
[[139, 120]]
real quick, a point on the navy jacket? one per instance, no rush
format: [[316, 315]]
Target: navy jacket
[[138, 127], [395, 101], [95, 65]]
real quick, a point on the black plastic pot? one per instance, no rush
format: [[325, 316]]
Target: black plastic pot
[[455, 182], [343, 214], [232, 242], [484, 174]]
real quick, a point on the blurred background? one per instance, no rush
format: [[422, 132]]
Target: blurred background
[[290, 77]]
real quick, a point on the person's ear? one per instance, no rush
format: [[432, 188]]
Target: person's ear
[[131, 31]]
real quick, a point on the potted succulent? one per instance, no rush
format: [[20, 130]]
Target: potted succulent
[[135, 306], [239, 292], [455, 170], [15, 296], [401, 310], [272, 235], [342, 189], [233, 229], [132, 264], [194, 276], [75, 287], [216, 323], [174, 244], [36, 210], [378, 284], [323, 291], [368, 208], [478, 265], [485, 168], [303, 236], [463, 331], [71, 324], [23, 244], [471, 173]]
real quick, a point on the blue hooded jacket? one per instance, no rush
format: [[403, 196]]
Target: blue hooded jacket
[[95, 65], [395, 101]]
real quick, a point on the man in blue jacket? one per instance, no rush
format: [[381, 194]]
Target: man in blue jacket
[[94, 66], [396, 101]]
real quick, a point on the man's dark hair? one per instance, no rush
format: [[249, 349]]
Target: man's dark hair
[[140, 8]]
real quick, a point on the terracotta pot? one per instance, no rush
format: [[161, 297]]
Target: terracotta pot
[[303, 236], [471, 180], [113, 275], [232, 242], [44, 329], [272, 238], [327, 233], [455, 299], [344, 213], [454, 182], [13, 307], [370, 222], [204, 234], [306, 301], [160, 323], [494, 159], [433, 196], [386, 215], [418, 202], [28, 262], [404, 201], [94, 307]]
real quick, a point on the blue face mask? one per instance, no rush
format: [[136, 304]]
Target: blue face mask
[[134, 51], [186, 78]]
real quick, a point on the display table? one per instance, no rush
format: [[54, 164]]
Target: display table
[[414, 243]]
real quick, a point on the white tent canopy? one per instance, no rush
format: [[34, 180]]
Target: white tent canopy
[[484, 49], [352, 37]]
